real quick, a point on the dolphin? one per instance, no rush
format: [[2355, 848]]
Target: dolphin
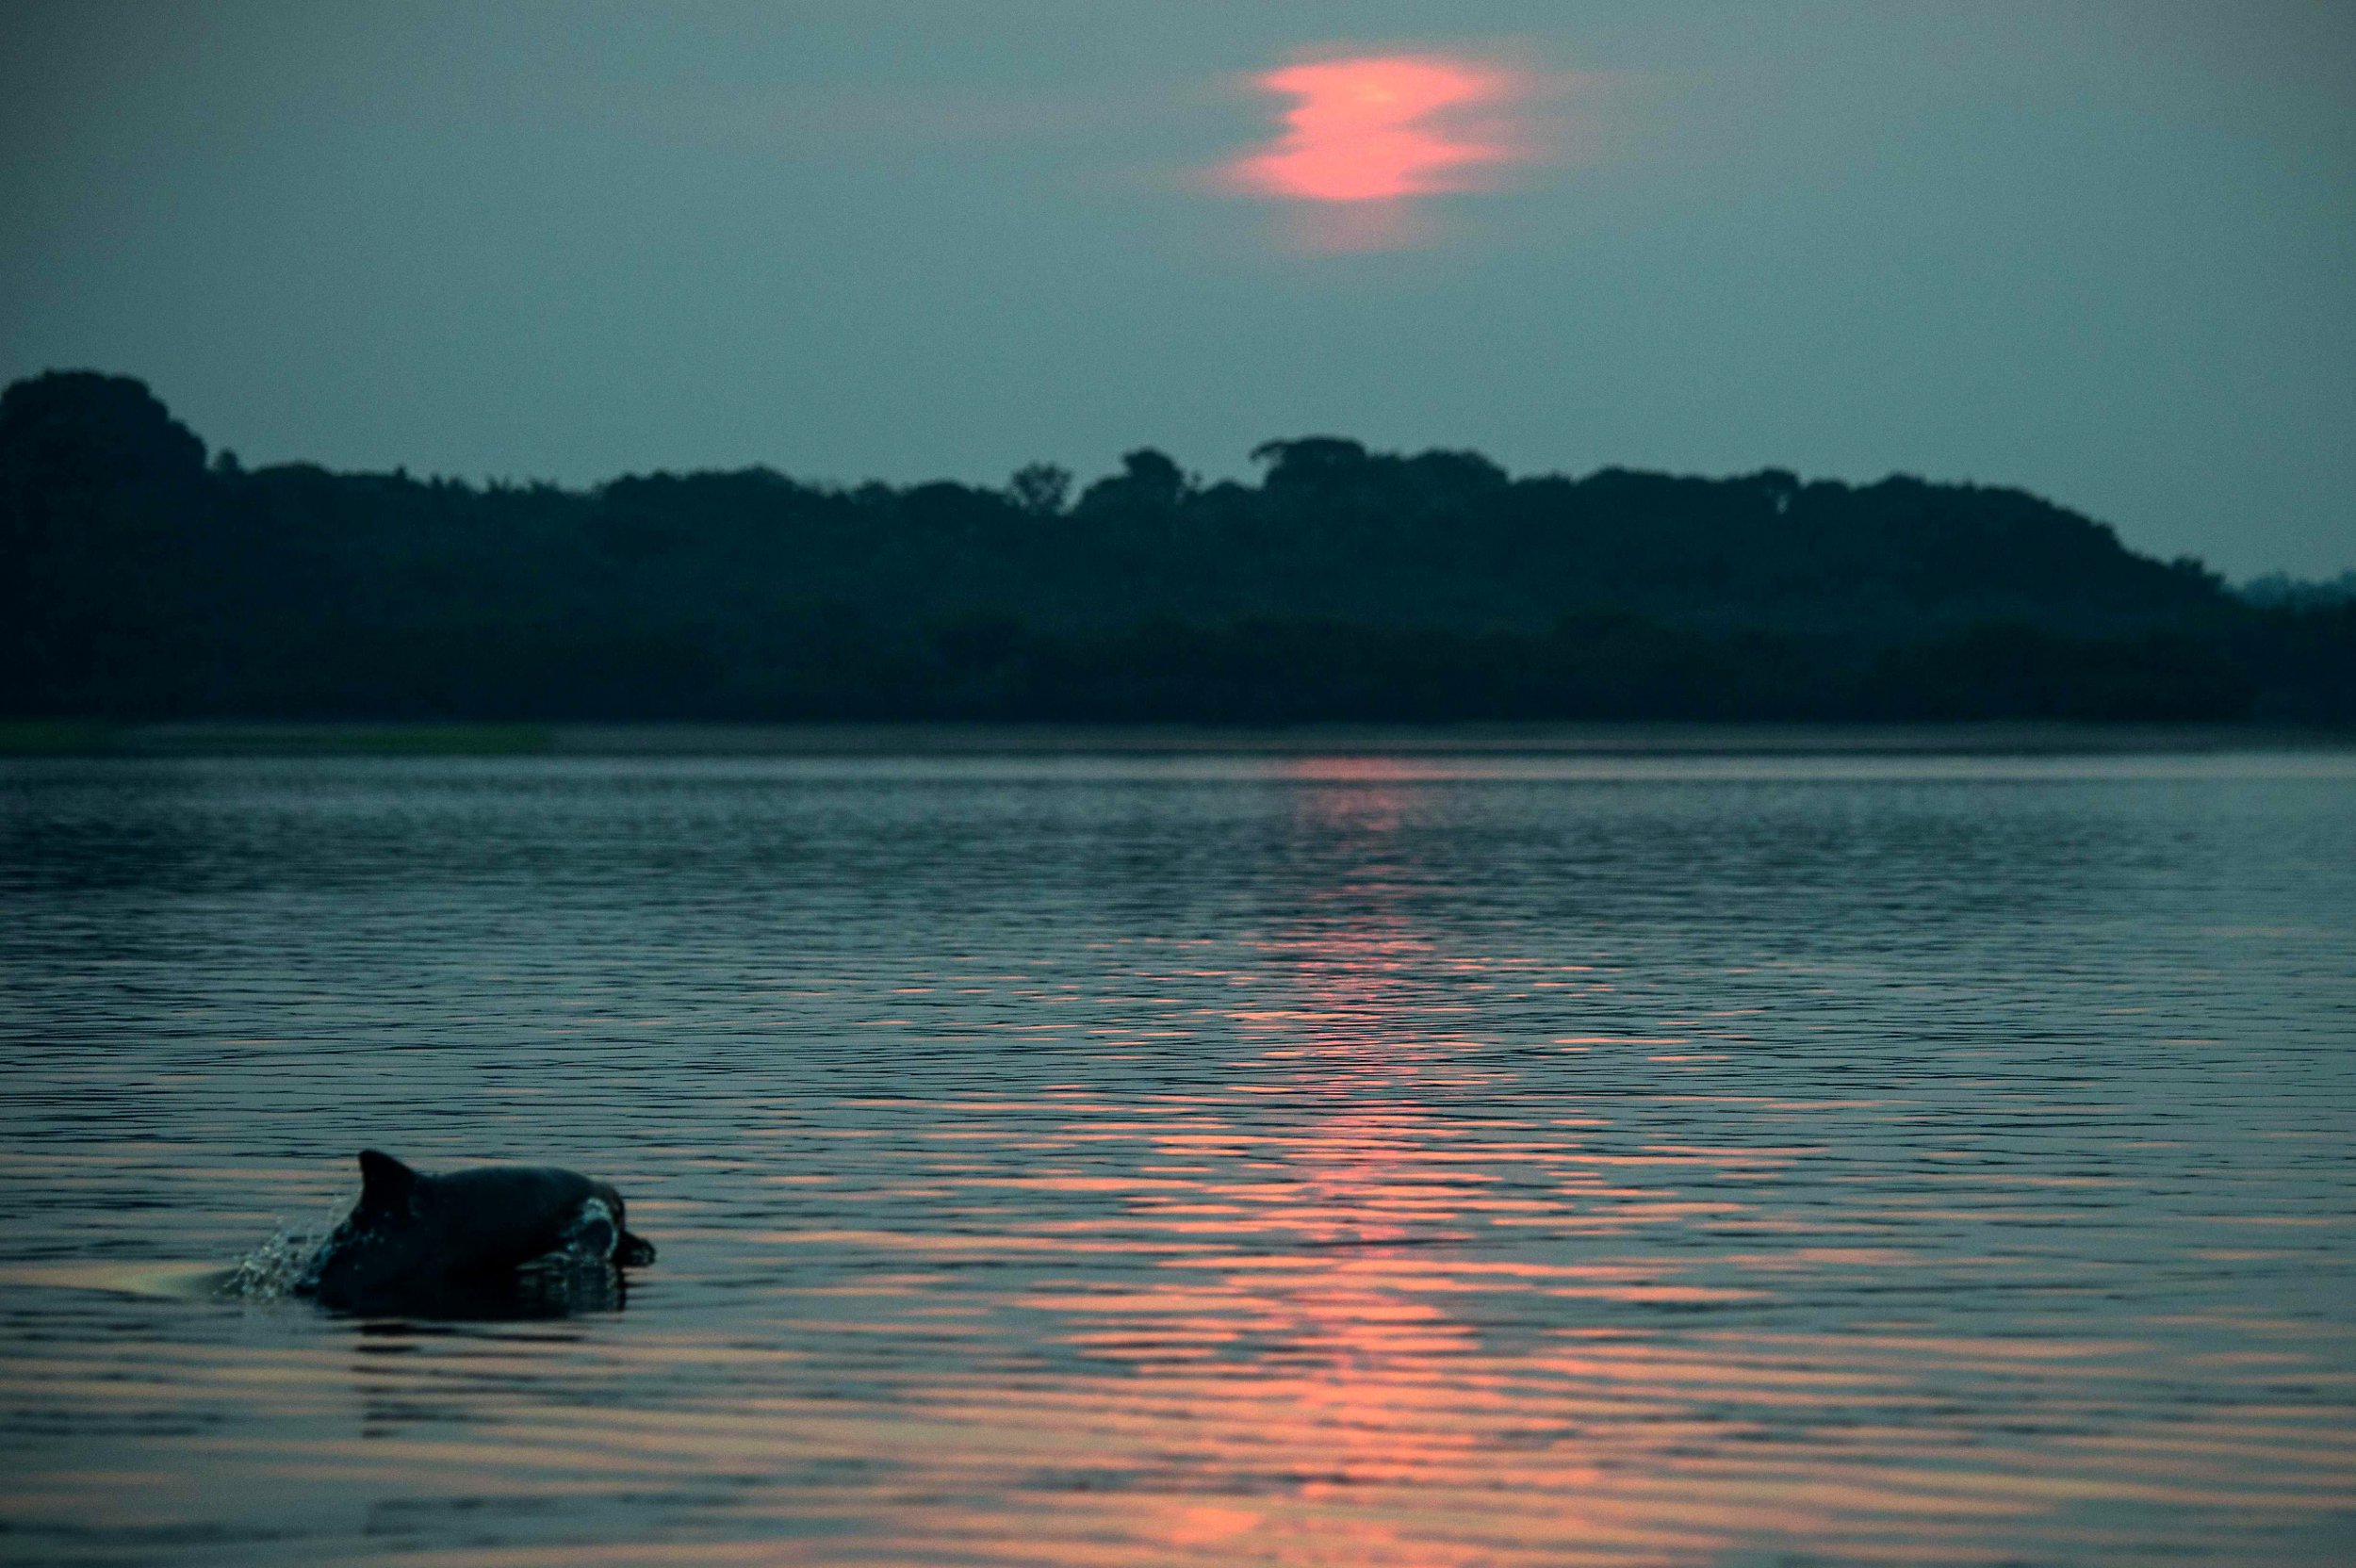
[[416, 1242]]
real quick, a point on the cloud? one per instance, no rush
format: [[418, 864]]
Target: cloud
[[1381, 128]]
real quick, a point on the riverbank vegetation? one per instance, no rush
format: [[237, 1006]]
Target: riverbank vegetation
[[147, 580]]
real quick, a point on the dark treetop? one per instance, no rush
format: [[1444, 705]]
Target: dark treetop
[[141, 581]]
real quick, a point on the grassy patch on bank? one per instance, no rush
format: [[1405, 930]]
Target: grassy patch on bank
[[91, 738], [58, 738]]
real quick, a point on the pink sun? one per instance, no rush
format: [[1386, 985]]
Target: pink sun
[[1376, 128]]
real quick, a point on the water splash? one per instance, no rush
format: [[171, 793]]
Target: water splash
[[593, 1235], [271, 1271], [579, 1274]]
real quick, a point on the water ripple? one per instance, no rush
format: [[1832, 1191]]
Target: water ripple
[[1194, 1160]]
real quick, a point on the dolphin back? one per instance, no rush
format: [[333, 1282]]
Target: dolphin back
[[497, 1217], [413, 1236]]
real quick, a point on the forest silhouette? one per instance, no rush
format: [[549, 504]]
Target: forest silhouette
[[145, 582]]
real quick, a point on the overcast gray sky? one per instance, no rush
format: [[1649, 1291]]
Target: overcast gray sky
[[2103, 250]]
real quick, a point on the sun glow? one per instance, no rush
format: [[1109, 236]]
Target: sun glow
[[1379, 128]]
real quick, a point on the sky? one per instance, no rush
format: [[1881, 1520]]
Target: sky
[[2103, 252]]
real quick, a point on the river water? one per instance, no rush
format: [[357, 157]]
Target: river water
[[1108, 1161]]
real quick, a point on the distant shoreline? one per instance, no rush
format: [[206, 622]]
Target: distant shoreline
[[43, 737], [1374, 592]]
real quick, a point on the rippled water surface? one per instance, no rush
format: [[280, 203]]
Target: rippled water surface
[[1190, 1160]]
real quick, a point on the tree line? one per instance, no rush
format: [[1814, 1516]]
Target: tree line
[[146, 578]]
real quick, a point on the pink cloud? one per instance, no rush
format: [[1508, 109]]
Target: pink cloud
[[1379, 128]]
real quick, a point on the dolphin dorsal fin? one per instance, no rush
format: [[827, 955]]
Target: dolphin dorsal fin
[[387, 1185]]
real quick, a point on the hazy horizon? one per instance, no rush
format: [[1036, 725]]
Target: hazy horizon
[[2098, 253]]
